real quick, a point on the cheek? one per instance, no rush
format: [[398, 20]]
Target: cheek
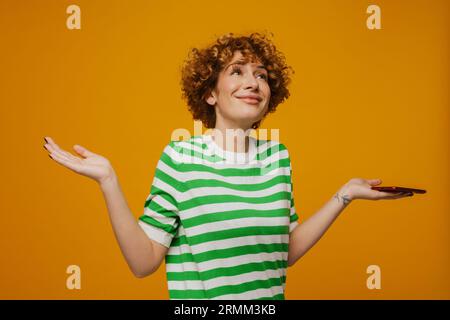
[[266, 89], [229, 86], [232, 87], [267, 93]]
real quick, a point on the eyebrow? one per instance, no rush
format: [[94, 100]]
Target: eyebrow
[[242, 62]]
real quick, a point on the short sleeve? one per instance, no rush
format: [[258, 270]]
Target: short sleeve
[[160, 219], [293, 218]]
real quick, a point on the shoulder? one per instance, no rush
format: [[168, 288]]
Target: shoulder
[[191, 141], [271, 146], [178, 150]]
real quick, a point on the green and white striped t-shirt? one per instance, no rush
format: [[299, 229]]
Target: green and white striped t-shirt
[[225, 217]]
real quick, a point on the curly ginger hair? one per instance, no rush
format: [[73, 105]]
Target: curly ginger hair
[[200, 71]]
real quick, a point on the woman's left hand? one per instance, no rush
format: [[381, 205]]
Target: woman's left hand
[[358, 188]]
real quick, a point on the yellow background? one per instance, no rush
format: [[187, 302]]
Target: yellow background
[[364, 103]]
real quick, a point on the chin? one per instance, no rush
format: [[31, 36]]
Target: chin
[[247, 114]]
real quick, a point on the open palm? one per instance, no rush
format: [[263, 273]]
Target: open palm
[[362, 189], [90, 164]]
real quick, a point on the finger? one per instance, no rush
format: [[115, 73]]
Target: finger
[[399, 195], [374, 182], [406, 194], [56, 148], [83, 151], [51, 142], [52, 149], [384, 195], [64, 162]]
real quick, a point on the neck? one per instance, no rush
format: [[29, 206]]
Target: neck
[[231, 138]]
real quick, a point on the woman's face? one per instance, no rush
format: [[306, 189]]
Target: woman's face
[[242, 93]]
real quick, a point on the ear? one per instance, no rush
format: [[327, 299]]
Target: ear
[[211, 98]]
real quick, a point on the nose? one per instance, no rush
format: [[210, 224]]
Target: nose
[[250, 81]]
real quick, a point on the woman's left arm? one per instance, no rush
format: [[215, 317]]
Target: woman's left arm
[[305, 235]]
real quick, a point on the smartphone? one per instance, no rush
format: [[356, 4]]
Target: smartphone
[[398, 189]]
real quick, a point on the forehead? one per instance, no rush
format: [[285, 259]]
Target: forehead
[[239, 58], [249, 57]]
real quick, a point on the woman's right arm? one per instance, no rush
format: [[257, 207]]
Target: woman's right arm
[[142, 254]]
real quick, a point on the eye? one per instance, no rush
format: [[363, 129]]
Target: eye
[[263, 76], [235, 69]]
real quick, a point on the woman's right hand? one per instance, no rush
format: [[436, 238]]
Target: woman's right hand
[[91, 165]]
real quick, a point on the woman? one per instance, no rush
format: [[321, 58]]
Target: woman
[[221, 208]]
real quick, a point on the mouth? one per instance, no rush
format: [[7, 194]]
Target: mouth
[[250, 100]]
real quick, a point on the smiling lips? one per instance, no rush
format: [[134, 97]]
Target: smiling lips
[[251, 99]]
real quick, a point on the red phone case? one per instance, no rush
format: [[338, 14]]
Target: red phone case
[[395, 189]]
